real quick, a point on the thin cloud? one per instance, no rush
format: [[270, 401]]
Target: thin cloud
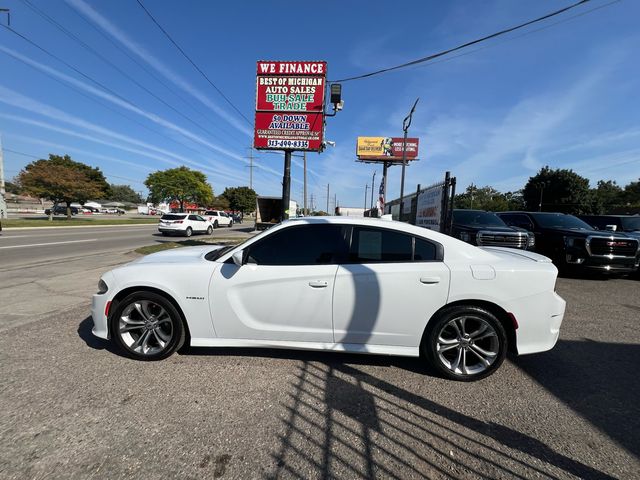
[[121, 103], [154, 62]]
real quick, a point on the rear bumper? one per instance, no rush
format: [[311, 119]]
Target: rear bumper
[[539, 319]]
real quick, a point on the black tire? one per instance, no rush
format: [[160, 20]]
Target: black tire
[[167, 325], [209, 230], [188, 232], [230, 224], [455, 352], [215, 224]]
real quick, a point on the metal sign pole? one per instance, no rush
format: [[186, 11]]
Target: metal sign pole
[[406, 123], [286, 186]]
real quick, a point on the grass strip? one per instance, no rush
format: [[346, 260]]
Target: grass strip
[[75, 222], [159, 247]]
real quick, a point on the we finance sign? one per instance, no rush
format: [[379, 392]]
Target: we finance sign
[[290, 105]]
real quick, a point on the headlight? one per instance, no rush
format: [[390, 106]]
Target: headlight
[[531, 242], [465, 237], [102, 287]]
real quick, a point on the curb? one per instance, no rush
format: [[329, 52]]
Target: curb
[[81, 226]]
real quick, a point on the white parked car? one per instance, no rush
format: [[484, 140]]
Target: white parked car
[[183, 224], [218, 218], [339, 284]]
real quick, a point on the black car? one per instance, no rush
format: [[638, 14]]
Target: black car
[[481, 228], [61, 210], [629, 224], [573, 244]]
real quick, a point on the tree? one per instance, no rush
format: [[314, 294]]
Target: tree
[[485, 198], [124, 193], [241, 199], [606, 196], [62, 180], [181, 184], [558, 190], [59, 182], [13, 187], [631, 195], [219, 203]]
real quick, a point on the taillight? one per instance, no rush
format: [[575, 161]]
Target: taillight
[[178, 221]]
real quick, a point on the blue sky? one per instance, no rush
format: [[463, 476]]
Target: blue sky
[[565, 95]]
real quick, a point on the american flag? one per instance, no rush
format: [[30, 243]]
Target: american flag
[[381, 197]]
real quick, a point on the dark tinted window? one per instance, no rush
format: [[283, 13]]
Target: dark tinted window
[[169, 216], [193, 217], [517, 220], [301, 245], [477, 218], [630, 224], [560, 220], [424, 251], [379, 245]]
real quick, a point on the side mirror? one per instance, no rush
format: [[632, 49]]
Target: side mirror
[[238, 257], [611, 228]]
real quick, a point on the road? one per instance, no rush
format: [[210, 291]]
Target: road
[[44, 270]]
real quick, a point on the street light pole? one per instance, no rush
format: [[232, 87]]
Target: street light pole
[[406, 123], [366, 195], [541, 191]]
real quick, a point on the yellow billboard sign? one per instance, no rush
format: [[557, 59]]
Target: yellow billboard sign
[[386, 148]]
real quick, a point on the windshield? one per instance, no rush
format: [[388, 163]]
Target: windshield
[[560, 220], [477, 218], [168, 216], [630, 224]]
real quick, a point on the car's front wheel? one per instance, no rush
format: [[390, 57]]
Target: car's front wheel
[[147, 326], [465, 343]]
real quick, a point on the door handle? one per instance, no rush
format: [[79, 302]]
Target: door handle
[[429, 280], [318, 284]]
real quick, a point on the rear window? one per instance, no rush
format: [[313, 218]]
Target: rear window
[[169, 216]]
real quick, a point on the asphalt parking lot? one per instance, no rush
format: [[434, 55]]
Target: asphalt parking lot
[[71, 407]]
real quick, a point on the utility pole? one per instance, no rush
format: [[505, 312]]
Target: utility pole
[[335, 203], [373, 187], [3, 203], [304, 156], [286, 186], [366, 195], [406, 123], [327, 199], [250, 167]]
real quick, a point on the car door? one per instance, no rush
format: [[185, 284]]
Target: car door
[[195, 224], [284, 290], [394, 282]]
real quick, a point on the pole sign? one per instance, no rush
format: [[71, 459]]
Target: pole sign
[[290, 105], [388, 149]]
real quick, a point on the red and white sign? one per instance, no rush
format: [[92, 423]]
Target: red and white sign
[[290, 105], [288, 131], [293, 94]]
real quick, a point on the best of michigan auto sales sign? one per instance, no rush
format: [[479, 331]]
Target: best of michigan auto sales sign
[[290, 105]]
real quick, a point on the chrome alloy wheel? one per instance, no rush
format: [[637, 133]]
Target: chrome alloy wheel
[[145, 327], [467, 345]]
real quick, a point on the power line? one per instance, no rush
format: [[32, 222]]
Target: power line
[[100, 85], [204, 75], [118, 69], [464, 45]]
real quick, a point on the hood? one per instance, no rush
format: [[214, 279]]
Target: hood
[[179, 255], [478, 228], [588, 233]]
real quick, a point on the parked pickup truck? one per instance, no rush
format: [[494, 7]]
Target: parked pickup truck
[[481, 228], [629, 224], [575, 245], [218, 218]]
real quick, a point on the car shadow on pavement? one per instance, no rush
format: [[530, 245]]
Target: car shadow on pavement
[[84, 332], [343, 422], [597, 380]]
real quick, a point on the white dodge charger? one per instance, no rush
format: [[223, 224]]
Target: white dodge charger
[[339, 284]]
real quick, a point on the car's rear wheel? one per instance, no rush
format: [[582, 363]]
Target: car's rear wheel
[[209, 230], [188, 232], [215, 224], [465, 343], [147, 326], [230, 224]]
